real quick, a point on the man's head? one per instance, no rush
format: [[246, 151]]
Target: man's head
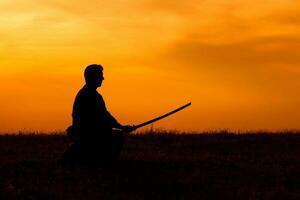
[[93, 75]]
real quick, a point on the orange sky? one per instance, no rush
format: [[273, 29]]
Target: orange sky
[[237, 61]]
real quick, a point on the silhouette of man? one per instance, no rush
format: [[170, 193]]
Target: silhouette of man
[[92, 129]]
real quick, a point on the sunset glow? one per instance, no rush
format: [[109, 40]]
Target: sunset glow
[[238, 62]]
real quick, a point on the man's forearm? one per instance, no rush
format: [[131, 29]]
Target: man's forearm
[[114, 122]]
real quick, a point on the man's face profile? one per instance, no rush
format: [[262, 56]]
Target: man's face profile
[[99, 79], [95, 79], [94, 75]]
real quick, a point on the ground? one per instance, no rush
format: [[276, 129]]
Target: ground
[[218, 165]]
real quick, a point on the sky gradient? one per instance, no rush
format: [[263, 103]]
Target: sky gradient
[[238, 62]]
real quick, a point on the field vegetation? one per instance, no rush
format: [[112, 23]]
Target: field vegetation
[[156, 165]]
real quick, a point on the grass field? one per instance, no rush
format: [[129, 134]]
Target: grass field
[[157, 166]]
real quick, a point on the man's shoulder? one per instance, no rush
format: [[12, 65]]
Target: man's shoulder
[[86, 92]]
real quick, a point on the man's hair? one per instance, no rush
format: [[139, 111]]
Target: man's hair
[[91, 70]]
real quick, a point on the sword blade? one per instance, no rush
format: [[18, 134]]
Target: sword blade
[[161, 117]]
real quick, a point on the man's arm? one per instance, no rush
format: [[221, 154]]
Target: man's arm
[[113, 122], [116, 124]]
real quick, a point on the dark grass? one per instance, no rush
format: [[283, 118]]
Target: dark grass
[[162, 165]]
